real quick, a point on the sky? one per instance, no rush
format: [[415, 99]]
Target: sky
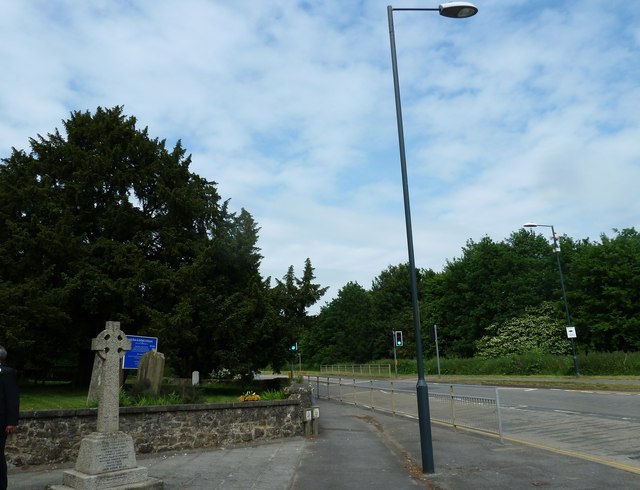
[[527, 112]]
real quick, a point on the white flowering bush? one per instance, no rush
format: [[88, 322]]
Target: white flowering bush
[[539, 330], [220, 375]]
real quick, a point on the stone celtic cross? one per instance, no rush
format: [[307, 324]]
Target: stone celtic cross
[[110, 345]]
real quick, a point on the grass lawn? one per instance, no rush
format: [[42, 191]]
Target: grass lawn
[[65, 395], [51, 396]]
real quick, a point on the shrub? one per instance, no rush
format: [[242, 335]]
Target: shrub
[[273, 395], [536, 331]]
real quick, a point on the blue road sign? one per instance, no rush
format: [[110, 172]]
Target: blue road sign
[[139, 347]]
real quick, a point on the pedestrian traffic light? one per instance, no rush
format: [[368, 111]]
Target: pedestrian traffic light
[[398, 338]]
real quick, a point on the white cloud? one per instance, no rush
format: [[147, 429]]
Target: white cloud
[[527, 111]]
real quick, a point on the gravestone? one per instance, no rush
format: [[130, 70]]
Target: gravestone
[[107, 457], [195, 378], [96, 380], [151, 371]]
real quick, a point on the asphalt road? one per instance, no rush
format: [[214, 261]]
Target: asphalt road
[[601, 426], [622, 406]]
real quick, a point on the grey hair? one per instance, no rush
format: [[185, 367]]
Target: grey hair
[[3, 354]]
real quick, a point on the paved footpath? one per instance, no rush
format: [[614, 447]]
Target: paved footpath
[[361, 449]]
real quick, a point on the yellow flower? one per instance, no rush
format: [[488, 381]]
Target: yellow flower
[[249, 396]]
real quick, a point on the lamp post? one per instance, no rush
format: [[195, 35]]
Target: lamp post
[[453, 10], [556, 251]]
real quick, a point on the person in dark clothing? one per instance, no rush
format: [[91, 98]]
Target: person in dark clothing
[[9, 406]]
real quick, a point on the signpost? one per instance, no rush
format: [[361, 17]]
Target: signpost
[[435, 339], [139, 347]]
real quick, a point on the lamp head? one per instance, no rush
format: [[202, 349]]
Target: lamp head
[[530, 225], [458, 10]]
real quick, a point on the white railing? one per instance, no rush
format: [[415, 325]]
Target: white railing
[[470, 412]]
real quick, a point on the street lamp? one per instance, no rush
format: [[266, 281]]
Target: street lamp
[[453, 10], [556, 251]]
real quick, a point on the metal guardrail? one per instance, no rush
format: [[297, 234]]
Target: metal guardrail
[[353, 369], [470, 412]]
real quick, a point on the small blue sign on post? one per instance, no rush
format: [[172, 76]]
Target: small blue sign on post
[[139, 347]]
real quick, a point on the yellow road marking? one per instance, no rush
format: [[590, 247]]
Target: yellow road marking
[[633, 469], [595, 459]]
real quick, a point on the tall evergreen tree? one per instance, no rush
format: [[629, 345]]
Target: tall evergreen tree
[[103, 223], [292, 297]]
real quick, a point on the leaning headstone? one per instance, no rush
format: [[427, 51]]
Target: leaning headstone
[[96, 379], [107, 458], [195, 378], [151, 371]]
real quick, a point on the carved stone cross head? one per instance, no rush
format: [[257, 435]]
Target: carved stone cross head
[[111, 343]]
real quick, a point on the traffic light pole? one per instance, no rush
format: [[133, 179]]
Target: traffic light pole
[[395, 358], [295, 350], [435, 338]]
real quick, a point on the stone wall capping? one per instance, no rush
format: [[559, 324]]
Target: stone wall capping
[[93, 412], [58, 412]]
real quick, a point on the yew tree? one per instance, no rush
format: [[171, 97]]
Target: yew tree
[[102, 222]]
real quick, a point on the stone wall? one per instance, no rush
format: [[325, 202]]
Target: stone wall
[[53, 436]]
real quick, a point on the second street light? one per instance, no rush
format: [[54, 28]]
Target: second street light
[[570, 329], [456, 10]]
